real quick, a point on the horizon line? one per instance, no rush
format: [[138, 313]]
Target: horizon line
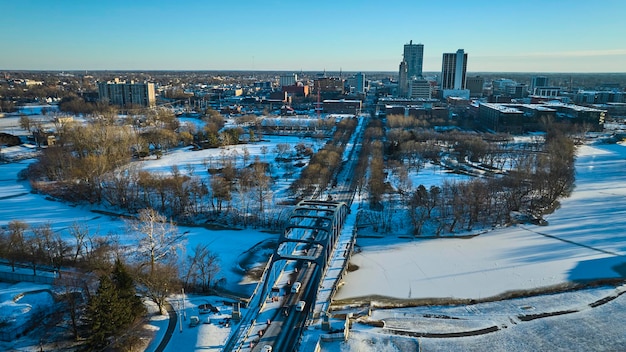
[[292, 71]]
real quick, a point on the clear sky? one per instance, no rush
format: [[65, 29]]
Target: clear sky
[[506, 35]]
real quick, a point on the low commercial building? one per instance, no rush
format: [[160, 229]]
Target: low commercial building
[[401, 106], [420, 88], [475, 86], [342, 106], [519, 118], [300, 91]]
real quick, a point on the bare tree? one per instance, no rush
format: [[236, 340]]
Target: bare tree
[[203, 265], [16, 242], [99, 251], [282, 149], [52, 250], [157, 239], [34, 250], [26, 123], [221, 189], [160, 283], [419, 208], [72, 294], [262, 183], [80, 233]]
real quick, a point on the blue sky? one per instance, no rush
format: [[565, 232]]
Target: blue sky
[[510, 36]]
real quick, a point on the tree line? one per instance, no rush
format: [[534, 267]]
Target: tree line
[[325, 163]]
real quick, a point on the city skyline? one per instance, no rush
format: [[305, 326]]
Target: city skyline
[[529, 36]]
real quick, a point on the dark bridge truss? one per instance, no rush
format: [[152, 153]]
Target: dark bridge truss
[[313, 228]]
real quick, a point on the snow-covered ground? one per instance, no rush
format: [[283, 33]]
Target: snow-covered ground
[[18, 203], [583, 240], [574, 321]]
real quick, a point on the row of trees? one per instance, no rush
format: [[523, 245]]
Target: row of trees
[[426, 120], [39, 246], [186, 196], [415, 147], [324, 164], [156, 242]]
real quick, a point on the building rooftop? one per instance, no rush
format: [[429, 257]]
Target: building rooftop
[[545, 107]]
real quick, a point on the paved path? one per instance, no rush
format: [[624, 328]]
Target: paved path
[[171, 325]]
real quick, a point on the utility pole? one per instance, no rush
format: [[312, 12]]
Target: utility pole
[[180, 318], [184, 311]]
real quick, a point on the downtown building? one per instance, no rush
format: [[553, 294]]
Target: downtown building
[[475, 85], [414, 57], [124, 93], [411, 67], [522, 118], [420, 88], [453, 74], [288, 80]]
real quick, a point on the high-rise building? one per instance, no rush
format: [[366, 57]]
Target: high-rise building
[[359, 82], [414, 57], [403, 80], [453, 70], [125, 94]]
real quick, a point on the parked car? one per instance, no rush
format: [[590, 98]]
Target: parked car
[[194, 320]]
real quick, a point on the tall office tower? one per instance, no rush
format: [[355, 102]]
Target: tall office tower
[[403, 80], [414, 57], [453, 70], [125, 94], [359, 80]]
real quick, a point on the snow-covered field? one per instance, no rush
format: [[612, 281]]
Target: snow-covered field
[[510, 325], [584, 240]]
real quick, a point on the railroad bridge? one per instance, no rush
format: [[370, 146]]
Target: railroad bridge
[[309, 239]]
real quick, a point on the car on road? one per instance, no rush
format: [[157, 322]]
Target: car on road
[[300, 306], [296, 287], [267, 348]]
